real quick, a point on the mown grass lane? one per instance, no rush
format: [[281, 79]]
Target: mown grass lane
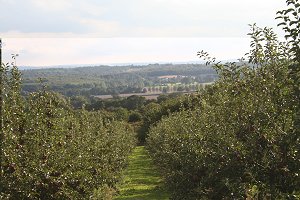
[[141, 181]]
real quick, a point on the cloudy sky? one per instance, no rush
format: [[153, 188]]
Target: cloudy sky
[[59, 32]]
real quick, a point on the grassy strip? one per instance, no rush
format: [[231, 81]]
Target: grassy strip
[[141, 180]]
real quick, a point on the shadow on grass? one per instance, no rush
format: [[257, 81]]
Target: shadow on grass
[[145, 194]]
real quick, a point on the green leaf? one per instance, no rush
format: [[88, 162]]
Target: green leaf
[[288, 10], [293, 22], [282, 24]]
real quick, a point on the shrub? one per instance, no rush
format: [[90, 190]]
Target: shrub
[[241, 139], [50, 151]]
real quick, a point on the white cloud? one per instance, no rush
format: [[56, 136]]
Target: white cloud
[[52, 5], [18, 34], [142, 18], [57, 51], [92, 9], [8, 2], [48, 32], [102, 28]]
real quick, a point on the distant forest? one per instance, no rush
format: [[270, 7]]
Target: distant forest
[[101, 80]]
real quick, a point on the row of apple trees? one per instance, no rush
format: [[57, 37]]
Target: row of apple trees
[[50, 151], [242, 139]]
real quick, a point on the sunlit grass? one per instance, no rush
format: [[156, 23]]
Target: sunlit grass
[[141, 180]]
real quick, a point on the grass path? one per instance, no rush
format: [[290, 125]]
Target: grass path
[[142, 181]]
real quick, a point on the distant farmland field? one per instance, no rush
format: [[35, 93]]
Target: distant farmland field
[[148, 96]]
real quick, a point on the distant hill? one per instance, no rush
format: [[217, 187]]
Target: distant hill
[[104, 79]]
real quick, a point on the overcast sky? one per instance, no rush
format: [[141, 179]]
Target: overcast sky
[[58, 32]]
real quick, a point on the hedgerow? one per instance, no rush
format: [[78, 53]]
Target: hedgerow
[[49, 151], [241, 140]]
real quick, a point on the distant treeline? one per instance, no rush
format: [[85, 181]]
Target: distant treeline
[[100, 80]]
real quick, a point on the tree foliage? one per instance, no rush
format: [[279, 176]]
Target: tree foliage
[[50, 151], [241, 138]]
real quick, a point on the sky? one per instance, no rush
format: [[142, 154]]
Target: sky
[[66, 32]]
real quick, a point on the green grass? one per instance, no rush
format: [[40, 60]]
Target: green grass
[[141, 181]]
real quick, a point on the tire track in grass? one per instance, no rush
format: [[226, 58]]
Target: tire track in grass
[[141, 181]]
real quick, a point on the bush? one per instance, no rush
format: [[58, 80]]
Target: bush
[[50, 151], [241, 139]]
